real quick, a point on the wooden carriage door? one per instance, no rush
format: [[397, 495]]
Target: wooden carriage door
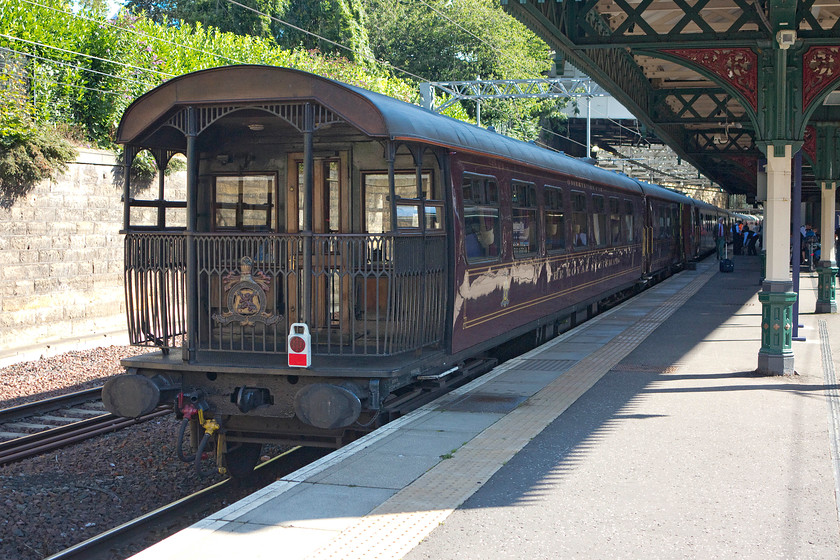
[[330, 214]]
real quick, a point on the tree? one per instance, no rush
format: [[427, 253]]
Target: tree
[[340, 21], [220, 14], [454, 40], [327, 21], [449, 40]]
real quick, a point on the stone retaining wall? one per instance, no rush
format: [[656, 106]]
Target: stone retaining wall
[[61, 258]]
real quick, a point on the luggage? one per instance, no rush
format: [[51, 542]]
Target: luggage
[[726, 264]]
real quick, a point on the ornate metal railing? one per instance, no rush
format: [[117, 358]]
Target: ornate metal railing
[[370, 294], [155, 288]]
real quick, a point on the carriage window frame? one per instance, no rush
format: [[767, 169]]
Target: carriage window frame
[[407, 203], [580, 222], [524, 210], [599, 220], [629, 222], [555, 215], [614, 229], [331, 199], [482, 241], [240, 206]]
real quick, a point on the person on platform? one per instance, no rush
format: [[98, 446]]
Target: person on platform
[[755, 238], [720, 238], [736, 238], [808, 237]]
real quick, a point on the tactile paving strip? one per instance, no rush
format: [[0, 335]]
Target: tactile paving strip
[[399, 524]]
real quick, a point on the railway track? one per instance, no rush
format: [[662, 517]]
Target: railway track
[[35, 428], [137, 534]]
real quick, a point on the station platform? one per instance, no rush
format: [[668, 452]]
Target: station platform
[[643, 433]]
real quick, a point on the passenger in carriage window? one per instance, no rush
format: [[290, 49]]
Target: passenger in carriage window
[[474, 248], [580, 237]]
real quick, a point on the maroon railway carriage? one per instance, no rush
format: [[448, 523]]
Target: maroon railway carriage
[[376, 244]]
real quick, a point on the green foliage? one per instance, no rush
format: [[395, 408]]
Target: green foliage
[[336, 22], [454, 40], [28, 153], [28, 156], [79, 71], [340, 21], [102, 66]]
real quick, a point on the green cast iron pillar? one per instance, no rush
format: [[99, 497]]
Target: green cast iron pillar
[[826, 164], [777, 296], [827, 272], [776, 354], [826, 278]]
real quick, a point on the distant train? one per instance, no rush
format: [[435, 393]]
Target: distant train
[[337, 252]]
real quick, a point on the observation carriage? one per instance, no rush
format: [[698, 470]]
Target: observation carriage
[[333, 248]]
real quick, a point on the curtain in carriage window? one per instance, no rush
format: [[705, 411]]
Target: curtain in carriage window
[[555, 219], [599, 220], [580, 225], [524, 222]]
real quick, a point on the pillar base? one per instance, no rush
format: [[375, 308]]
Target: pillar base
[[826, 292], [774, 364], [776, 354]]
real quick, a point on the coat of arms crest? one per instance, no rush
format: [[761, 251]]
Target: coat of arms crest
[[246, 299]]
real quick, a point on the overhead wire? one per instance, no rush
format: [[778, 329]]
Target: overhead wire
[[92, 57], [607, 117], [480, 39], [79, 86], [330, 41], [81, 68], [286, 23], [133, 31]]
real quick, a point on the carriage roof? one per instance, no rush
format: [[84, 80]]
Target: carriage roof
[[376, 115]]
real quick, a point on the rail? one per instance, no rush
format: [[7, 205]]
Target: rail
[[370, 294]]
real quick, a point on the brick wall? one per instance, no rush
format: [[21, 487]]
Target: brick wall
[[61, 257]]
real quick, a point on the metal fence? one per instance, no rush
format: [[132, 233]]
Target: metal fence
[[370, 294]]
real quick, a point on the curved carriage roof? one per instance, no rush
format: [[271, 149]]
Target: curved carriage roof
[[376, 115]]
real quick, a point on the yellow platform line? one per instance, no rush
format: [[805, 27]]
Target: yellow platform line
[[391, 530]]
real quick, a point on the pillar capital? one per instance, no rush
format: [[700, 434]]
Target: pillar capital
[[779, 148]]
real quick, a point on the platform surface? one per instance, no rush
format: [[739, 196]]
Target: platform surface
[[643, 433]]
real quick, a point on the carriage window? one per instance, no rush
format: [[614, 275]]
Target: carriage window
[[579, 222], [663, 223], [615, 222], [675, 222], [378, 205], [244, 203], [481, 218], [434, 216], [599, 220], [331, 197], [629, 225], [555, 220], [524, 213]]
